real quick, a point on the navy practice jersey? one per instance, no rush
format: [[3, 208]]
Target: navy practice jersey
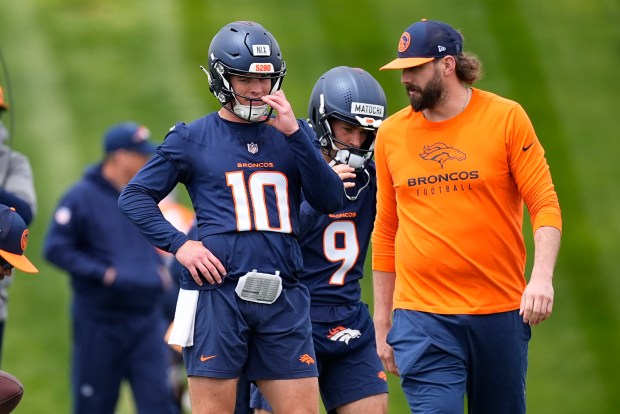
[[334, 245], [245, 183]]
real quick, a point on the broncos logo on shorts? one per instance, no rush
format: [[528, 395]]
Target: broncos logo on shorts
[[306, 359], [342, 334], [441, 153]]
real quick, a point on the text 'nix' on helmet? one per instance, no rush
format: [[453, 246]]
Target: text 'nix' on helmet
[[244, 49], [351, 95]]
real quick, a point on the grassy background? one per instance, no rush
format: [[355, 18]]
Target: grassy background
[[79, 65]]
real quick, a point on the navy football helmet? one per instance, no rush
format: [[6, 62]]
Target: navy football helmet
[[351, 95], [244, 49]]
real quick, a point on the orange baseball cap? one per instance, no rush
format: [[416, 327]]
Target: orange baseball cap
[[13, 240]]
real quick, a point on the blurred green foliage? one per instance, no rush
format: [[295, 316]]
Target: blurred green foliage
[[77, 66]]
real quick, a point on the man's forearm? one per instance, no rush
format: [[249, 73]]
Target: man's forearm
[[383, 291], [546, 248]]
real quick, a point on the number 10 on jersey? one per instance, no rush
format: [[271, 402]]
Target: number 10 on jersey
[[253, 198]]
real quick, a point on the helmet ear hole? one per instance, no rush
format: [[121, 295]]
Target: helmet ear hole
[[216, 75], [215, 85]]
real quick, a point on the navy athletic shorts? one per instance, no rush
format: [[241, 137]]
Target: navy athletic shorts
[[441, 358], [232, 335], [349, 368]]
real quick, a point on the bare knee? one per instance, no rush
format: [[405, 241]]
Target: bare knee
[[292, 396], [212, 395], [374, 404]]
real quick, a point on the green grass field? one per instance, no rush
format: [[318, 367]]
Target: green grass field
[[77, 66]]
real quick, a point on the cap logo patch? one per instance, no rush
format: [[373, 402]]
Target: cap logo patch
[[405, 41], [366, 109], [261, 68], [141, 134], [24, 240], [261, 50], [441, 48]]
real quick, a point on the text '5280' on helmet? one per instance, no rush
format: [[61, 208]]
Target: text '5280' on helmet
[[243, 49], [351, 95]]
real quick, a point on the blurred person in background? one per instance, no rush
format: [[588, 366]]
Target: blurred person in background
[[17, 191], [13, 242], [119, 282], [179, 215]]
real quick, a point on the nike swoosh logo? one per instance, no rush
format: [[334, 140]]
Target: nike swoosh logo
[[528, 147], [206, 358]]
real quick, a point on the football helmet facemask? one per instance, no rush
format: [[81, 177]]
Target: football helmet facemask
[[355, 97], [244, 49]]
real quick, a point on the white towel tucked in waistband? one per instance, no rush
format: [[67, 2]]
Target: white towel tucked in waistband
[[184, 317]]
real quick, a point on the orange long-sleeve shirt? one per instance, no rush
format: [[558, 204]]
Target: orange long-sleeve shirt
[[450, 206]]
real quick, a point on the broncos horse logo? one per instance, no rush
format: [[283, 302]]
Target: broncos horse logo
[[342, 334], [441, 153], [306, 359]]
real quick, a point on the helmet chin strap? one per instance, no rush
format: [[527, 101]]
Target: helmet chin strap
[[336, 160], [359, 191]]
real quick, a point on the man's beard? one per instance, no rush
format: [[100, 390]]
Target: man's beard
[[431, 96]]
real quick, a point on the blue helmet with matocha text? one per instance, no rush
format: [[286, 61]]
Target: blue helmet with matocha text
[[351, 95]]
